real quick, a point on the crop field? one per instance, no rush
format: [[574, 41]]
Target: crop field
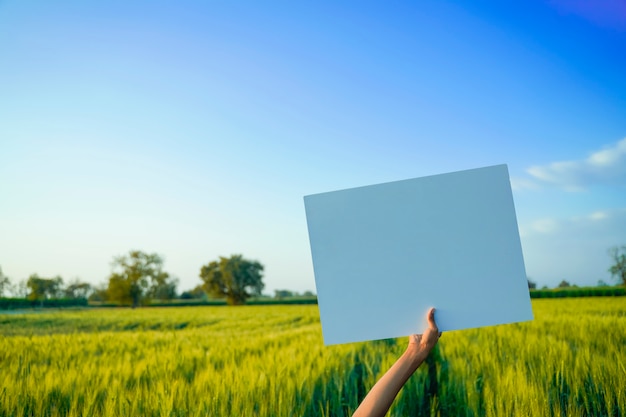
[[270, 361]]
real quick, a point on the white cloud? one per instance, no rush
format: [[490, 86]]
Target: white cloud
[[574, 248], [600, 219], [598, 215], [544, 225], [523, 183], [606, 166]]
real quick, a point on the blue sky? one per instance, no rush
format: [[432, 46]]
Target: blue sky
[[193, 129]]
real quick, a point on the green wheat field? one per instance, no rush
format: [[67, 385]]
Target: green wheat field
[[270, 361]]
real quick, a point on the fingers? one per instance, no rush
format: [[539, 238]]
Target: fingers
[[431, 319]]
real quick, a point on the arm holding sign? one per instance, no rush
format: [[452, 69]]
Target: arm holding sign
[[382, 394]]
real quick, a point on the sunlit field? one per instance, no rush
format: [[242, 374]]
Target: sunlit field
[[270, 361]]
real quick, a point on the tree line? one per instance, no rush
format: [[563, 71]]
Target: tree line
[[139, 277], [617, 271], [37, 288]]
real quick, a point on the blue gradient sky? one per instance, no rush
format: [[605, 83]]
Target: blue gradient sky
[[193, 129]]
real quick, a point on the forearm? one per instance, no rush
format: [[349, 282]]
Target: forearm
[[382, 394]]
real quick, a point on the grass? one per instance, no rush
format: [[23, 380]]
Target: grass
[[270, 361]]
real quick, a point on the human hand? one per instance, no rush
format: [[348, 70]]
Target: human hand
[[422, 344], [382, 394]]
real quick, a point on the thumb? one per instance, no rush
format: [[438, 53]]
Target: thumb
[[431, 319]]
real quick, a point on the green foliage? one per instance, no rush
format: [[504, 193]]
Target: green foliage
[[77, 289], [44, 288], [223, 302], [24, 303], [578, 292], [270, 361], [280, 294], [99, 293], [235, 278], [5, 283], [137, 277], [196, 293], [119, 290], [618, 269], [163, 289]]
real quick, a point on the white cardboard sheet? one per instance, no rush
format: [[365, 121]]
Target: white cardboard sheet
[[384, 254]]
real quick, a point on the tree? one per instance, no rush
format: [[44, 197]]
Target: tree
[[531, 284], [99, 293], [77, 289], [44, 288], [119, 289], [137, 276], [280, 294], [20, 289], [164, 288], [564, 284], [618, 270], [5, 283], [232, 278], [196, 293]]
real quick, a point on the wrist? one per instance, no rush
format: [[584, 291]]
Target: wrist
[[415, 355]]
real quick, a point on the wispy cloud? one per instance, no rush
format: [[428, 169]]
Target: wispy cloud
[[606, 166], [572, 248], [524, 183], [612, 219], [598, 215], [543, 226]]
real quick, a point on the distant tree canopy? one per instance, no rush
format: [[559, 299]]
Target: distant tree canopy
[[43, 288], [99, 293], [19, 289], [5, 283], [531, 284], [564, 284], [77, 289], [618, 269], [196, 293], [235, 278], [279, 294], [137, 277], [37, 288]]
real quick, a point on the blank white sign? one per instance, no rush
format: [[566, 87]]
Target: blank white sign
[[384, 254]]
